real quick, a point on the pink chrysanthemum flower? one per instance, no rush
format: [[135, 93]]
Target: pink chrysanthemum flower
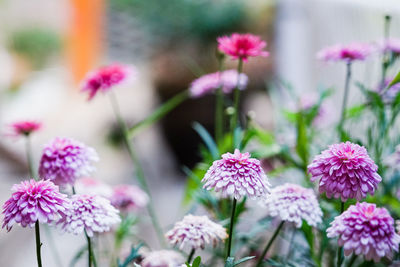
[[294, 203], [345, 171], [105, 78], [195, 232], [129, 198], [92, 186], [92, 213], [390, 45], [237, 175], [34, 201], [242, 46], [163, 258], [209, 83], [24, 128], [366, 230], [347, 53], [65, 159]]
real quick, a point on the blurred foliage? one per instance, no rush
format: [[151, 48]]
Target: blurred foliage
[[37, 45], [205, 19]]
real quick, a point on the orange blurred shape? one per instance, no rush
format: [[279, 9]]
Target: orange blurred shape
[[84, 39]]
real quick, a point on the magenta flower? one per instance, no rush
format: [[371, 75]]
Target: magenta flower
[[129, 198], [34, 201], [163, 258], [105, 78], [25, 128], [92, 186], [92, 213], [347, 53], [294, 203], [237, 175], [64, 160], [209, 83], [195, 232], [242, 46], [345, 171], [366, 230]]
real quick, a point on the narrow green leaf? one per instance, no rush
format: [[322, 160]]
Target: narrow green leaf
[[243, 260], [196, 262], [207, 139], [396, 80], [230, 262], [78, 255], [159, 113]]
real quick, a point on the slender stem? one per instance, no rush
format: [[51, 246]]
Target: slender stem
[[189, 260], [385, 56], [29, 156], [264, 253], [230, 237], [345, 98], [38, 244], [352, 260], [139, 171], [340, 249], [219, 108], [91, 257], [236, 98]]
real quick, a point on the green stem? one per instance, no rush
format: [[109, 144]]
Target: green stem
[[38, 244], [219, 108], [352, 260], [228, 253], [139, 171], [385, 56], [29, 156], [264, 253], [189, 260], [340, 249], [236, 98], [91, 257], [345, 99]]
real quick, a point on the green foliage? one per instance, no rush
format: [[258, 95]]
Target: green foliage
[[230, 261], [133, 255]]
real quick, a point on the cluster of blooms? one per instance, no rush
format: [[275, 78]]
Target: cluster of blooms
[[195, 232], [92, 213], [65, 159], [209, 83], [237, 175], [163, 258], [105, 78], [366, 230], [25, 127], [347, 53], [345, 171], [294, 203]]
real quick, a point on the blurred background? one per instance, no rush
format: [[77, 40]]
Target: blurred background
[[47, 47]]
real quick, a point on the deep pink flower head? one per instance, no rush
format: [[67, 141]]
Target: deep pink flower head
[[242, 46], [293, 203], [366, 230], [129, 198], [24, 128], [92, 213], [65, 159], [105, 78], [92, 186], [34, 201], [209, 83], [237, 175], [390, 45], [347, 53], [195, 232], [345, 171], [163, 258]]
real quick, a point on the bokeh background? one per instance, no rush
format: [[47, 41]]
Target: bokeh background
[[47, 46]]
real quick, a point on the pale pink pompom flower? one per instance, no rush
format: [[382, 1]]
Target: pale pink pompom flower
[[209, 83], [129, 198], [105, 78], [163, 258], [92, 186], [242, 46], [196, 232], [366, 230], [347, 53], [237, 175], [34, 201], [293, 203], [64, 160], [345, 171], [90, 213], [24, 128]]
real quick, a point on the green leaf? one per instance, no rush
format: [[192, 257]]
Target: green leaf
[[355, 111], [302, 139], [396, 80], [243, 260], [194, 181], [196, 262], [159, 113], [78, 255], [207, 139], [230, 262], [131, 257]]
